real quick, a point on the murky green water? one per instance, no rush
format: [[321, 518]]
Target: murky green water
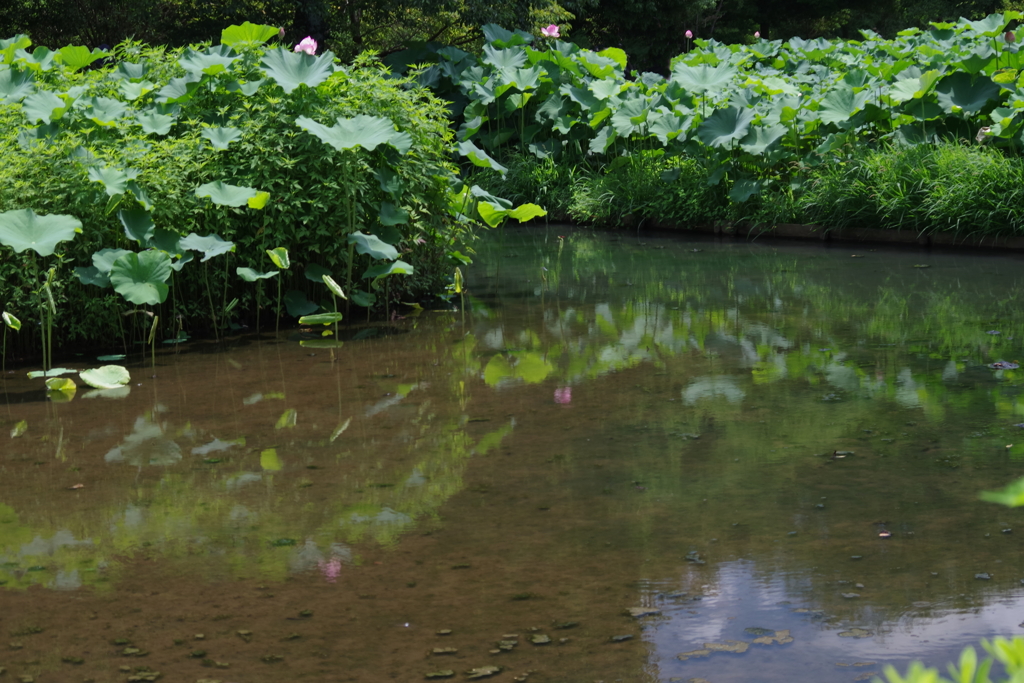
[[614, 423]]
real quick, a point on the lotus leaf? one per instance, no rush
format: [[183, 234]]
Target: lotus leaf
[[334, 287], [209, 245], [141, 278], [314, 272], [44, 106], [106, 377], [280, 257], [359, 131], [24, 229], [61, 384], [364, 299], [841, 103], [288, 419], [220, 138], [393, 215], [178, 89], [372, 246], [226, 195], [210, 61], [960, 92], [11, 321], [152, 122], [703, 78], [725, 126], [104, 111], [320, 319], [297, 303], [250, 275], [133, 91], [480, 157], [138, 224], [15, 85], [269, 460], [77, 57], [292, 69], [504, 38], [385, 269], [114, 180], [52, 372], [247, 34]]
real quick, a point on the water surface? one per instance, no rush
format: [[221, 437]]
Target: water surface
[[714, 432]]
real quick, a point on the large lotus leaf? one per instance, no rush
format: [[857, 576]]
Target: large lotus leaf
[[104, 111], [990, 26], [132, 71], [393, 215], [138, 224], [226, 195], [629, 115], [210, 61], [44, 106], [250, 275], [480, 157], [247, 34], [102, 263], [15, 85], [23, 229], [220, 138], [114, 180], [133, 91], [724, 126], [248, 88], [106, 377], [292, 69], [373, 246], [141, 278], [506, 61], [166, 240], [210, 245], [841, 103], [359, 131], [152, 122], [504, 38], [140, 194], [77, 57], [760, 138], [314, 272], [703, 78], [605, 88], [297, 303], [492, 214], [40, 59], [597, 65], [904, 89], [615, 54], [527, 212], [178, 90], [959, 92], [385, 269]]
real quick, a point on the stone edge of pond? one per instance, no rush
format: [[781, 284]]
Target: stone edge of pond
[[798, 231]]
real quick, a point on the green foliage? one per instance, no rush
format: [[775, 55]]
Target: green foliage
[[1009, 653], [204, 150]]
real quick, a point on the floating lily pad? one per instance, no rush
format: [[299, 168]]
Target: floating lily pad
[[540, 639], [856, 633], [106, 377], [52, 372], [756, 631], [683, 656], [482, 672], [443, 651], [643, 612], [737, 646], [778, 637]]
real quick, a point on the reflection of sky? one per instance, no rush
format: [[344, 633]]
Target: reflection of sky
[[737, 599]]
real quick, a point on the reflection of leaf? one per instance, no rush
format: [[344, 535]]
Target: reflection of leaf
[[269, 460], [340, 429], [489, 441], [288, 419], [146, 445], [1010, 496], [497, 369], [119, 392], [19, 429], [532, 367]]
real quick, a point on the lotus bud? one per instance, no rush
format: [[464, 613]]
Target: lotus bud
[[689, 34], [1009, 37], [757, 34], [983, 133], [280, 33]]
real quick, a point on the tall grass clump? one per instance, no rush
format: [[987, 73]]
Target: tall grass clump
[[957, 187]]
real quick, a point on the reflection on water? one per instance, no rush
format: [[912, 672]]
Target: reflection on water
[[720, 434]]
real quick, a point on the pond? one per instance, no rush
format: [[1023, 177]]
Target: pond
[[625, 458]]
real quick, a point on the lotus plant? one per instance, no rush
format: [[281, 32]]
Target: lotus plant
[[550, 31]]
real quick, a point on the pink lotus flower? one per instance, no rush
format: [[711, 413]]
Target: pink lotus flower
[[757, 34], [689, 34], [563, 395], [550, 31], [307, 45], [331, 569]]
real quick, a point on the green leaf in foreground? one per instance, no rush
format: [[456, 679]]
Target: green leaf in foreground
[[24, 229], [77, 57], [11, 321], [142, 278], [373, 246], [334, 287], [210, 245], [220, 138], [106, 377], [479, 157], [1010, 496], [280, 258], [359, 131], [61, 384], [292, 69]]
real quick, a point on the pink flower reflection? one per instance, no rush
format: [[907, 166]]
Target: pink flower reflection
[[331, 569], [563, 395]]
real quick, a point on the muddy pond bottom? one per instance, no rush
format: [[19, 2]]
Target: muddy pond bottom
[[617, 459]]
